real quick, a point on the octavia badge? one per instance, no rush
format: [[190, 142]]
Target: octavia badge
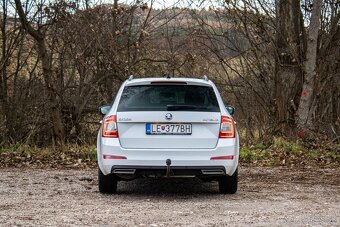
[[168, 116]]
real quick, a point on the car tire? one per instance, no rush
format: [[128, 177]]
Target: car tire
[[228, 184], [107, 183]]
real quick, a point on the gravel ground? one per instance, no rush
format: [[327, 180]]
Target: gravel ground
[[266, 197]]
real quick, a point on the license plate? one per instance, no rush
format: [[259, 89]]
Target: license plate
[[168, 129]]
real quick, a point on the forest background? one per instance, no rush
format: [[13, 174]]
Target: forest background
[[276, 62]]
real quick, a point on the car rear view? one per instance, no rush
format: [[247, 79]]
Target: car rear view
[[167, 127]]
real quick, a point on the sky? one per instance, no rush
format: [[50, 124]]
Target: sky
[[159, 4], [156, 4]]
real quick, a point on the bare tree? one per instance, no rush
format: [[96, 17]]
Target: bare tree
[[45, 58], [67, 58], [289, 52], [4, 60], [305, 109]]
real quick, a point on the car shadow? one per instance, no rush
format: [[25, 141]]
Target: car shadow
[[164, 186]]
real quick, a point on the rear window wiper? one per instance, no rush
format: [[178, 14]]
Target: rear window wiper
[[184, 107]]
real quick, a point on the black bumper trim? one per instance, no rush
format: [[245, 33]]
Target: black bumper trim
[[175, 170]]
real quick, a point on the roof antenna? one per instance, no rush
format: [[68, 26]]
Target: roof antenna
[[131, 77], [205, 78], [168, 77]]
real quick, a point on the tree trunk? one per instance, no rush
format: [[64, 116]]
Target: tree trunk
[[289, 76], [5, 107], [305, 110], [54, 111]]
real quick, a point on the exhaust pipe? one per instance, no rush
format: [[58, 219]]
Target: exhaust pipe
[[212, 172], [124, 171]]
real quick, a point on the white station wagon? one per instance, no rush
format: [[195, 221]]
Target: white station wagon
[[168, 127]]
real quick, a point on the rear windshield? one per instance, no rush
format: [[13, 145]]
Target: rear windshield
[[168, 98]]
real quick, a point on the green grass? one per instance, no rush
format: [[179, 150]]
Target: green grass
[[279, 152], [284, 152], [89, 154], [333, 155], [312, 154], [85, 152], [248, 155], [260, 146], [318, 154], [287, 146], [71, 156]]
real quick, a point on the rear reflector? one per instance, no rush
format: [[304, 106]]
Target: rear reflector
[[229, 157], [113, 157]]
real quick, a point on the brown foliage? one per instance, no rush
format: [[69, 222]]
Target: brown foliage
[[249, 51]]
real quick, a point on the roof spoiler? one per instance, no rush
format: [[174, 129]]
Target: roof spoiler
[[205, 77]]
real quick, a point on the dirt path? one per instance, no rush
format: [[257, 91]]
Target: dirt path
[[267, 196]]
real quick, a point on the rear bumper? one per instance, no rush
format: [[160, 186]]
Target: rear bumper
[[178, 166], [182, 160], [172, 171]]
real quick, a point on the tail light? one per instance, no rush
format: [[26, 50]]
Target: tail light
[[228, 157], [227, 127], [109, 128]]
